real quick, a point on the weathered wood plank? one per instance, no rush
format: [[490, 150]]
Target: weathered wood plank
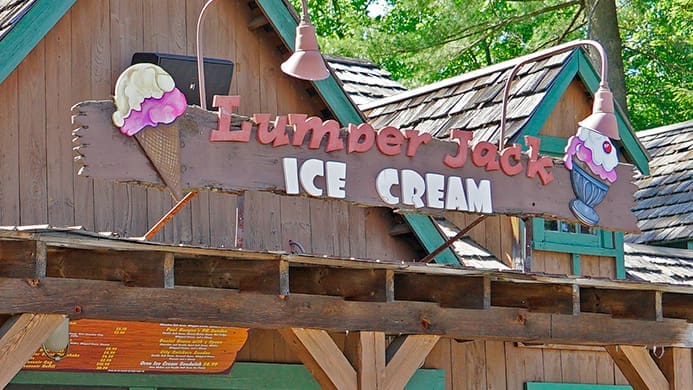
[[140, 269], [409, 357], [677, 366], [9, 155], [366, 352], [470, 364], [17, 259], [445, 290], [59, 133], [20, 337], [638, 367], [322, 357], [257, 275], [635, 304], [495, 365], [677, 306], [32, 143], [535, 297], [358, 285], [113, 300]]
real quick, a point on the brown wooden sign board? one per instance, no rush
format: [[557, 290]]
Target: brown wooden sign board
[[399, 172]]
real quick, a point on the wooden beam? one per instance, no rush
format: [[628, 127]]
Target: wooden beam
[[634, 304], [20, 337], [448, 291], [320, 354], [230, 307], [353, 284], [409, 357], [637, 366], [366, 351], [18, 259], [677, 366], [677, 306], [548, 298]]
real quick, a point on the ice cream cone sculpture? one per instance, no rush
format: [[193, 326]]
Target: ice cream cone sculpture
[[147, 105], [592, 157]]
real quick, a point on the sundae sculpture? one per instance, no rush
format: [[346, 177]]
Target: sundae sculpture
[[592, 158], [147, 104]]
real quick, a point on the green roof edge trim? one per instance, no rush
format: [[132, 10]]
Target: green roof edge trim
[[336, 99], [430, 237], [242, 376], [579, 65], [28, 32]]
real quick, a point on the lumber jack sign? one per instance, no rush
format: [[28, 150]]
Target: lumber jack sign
[[306, 156]]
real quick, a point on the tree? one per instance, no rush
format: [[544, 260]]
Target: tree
[[421, 41]]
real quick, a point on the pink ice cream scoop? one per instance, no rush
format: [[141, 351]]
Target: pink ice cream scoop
[[595, 150], [154, 111]]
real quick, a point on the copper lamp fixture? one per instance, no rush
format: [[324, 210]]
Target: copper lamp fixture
[[306, 63]]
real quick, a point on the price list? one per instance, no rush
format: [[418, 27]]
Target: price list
[[139, 347]]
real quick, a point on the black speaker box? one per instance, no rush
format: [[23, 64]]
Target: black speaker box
[[183, 69]]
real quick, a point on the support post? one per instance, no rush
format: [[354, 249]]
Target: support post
[[20, 337], [637, 366], [677, 366]]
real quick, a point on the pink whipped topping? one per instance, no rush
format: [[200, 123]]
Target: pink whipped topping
[[577, 148], [154, 111]]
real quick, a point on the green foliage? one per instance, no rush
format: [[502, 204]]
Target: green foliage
[[422, 41], [658, 57]]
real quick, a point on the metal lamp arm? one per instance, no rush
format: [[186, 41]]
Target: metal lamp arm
[[548, 53], [200, 59]]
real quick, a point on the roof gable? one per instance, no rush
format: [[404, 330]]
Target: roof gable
[[473, 101]]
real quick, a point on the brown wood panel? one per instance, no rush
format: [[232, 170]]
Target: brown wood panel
[[101, 82], [551, 262], [495, 365], [440, 357], [589, 265], [605, 368], [506, 233], [247, 72], [340, 215], [295, 223], [469, 365], [32, 138], [323, 227], [357, 232], [523, 365], [9, 151], [127, 37], [607, 267], [494, 235], [59, 125], [223, 221], [574, 106], [81, 25], [552, 365], [262, 229]]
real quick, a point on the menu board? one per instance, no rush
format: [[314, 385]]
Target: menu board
[[143, 347]]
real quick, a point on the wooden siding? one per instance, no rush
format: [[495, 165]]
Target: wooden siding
[[575, 105], [80, 59], [504, 365]]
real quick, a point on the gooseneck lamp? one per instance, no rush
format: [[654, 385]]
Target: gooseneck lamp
[[306, 63], [602, 120]]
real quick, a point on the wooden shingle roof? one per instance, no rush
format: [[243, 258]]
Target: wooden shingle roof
[[658, 264], [664, 200], [471, 101], [10, 12], [362, 79]]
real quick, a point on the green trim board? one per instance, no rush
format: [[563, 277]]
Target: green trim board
[[430, 237], [242, 376], [28, 32], [573, 386], [284, 23]]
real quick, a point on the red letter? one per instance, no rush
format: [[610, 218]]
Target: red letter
[[277, 134], [319, 129], [484, 154], [416, 138], [226, 105], [514, 152], [356, 133], [462, 138], [389, 141], [538, 165]]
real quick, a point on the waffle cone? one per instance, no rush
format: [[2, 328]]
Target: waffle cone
[[161, 145]]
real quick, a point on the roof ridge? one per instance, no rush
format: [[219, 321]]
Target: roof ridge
[[457, 79]]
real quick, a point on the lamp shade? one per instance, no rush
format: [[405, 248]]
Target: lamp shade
[[306, 63], [60, 339], [602, 120]]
